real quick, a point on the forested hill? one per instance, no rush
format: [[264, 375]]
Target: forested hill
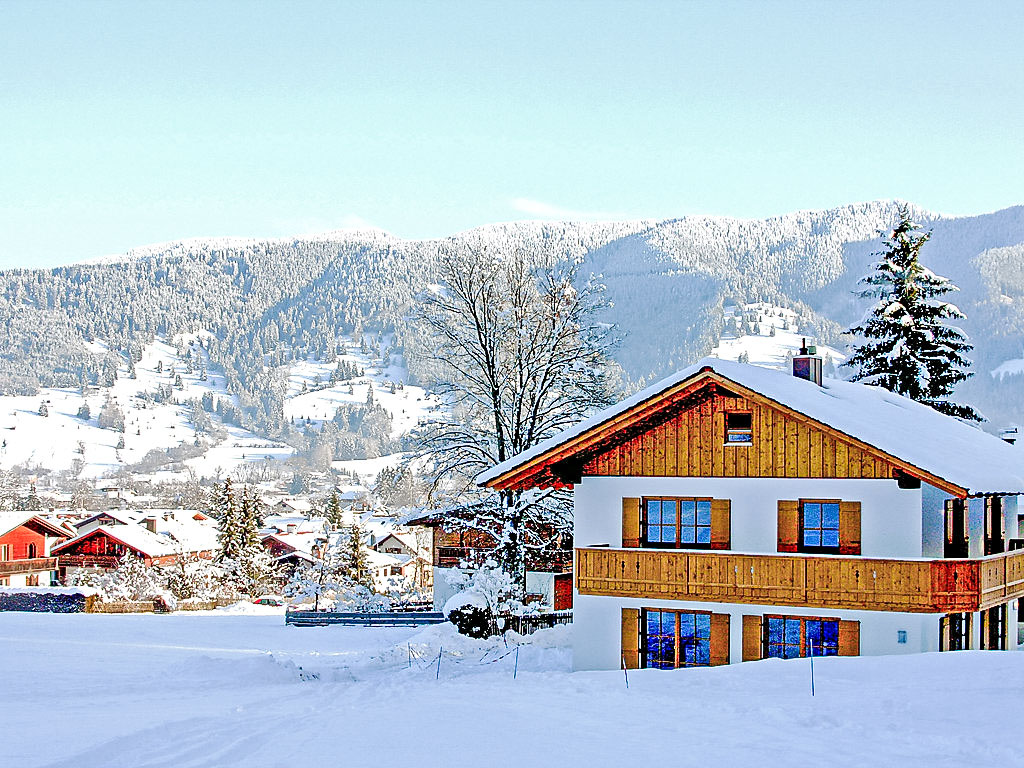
[[262, 303]]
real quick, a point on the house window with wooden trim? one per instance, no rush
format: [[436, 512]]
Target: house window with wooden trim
[[955, 632], [739, 428], [995, 537], [5, 551], [674, 639], [792, 637], [957, 541], [826, 526], [993, 628], [671, 522], [819, 526]]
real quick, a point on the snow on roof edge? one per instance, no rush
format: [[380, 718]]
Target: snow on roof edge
[[953, 450]]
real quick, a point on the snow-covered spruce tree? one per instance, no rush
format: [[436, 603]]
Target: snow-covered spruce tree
[[225, 509], [908, 347], [517, 347], [332, 511], [353, 556]]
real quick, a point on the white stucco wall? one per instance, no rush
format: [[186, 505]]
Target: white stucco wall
[[891, 520], [895, 522], [597, 628]]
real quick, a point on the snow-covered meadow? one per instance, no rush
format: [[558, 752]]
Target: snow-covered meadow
[[224, 689]]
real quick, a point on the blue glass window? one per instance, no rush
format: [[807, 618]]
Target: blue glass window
[[677, 522], [676, 639], [820, 525], [791, 638]]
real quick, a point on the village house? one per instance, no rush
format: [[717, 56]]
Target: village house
[[26, 541], [156, 536], [733, 513], [548, 573]]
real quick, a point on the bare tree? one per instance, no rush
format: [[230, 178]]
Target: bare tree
[[520, 355]]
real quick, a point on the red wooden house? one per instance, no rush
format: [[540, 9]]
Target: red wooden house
[[25, 543], [103, 547]]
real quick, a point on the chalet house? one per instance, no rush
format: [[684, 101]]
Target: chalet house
[[26, 540], [732, 513], [102, 548], [548, 576]]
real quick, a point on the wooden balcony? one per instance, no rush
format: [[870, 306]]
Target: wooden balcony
[[28, 565], [818, 581], [89, 561]]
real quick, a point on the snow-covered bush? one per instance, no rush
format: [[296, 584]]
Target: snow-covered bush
[[485, 594], [358, 599]]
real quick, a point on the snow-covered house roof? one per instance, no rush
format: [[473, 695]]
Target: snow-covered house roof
[[937, 446], [181, 525], [132, 536], [9, 520]]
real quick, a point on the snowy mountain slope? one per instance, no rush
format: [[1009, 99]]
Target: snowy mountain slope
[[763, 334], [269, 303], [64, 440]]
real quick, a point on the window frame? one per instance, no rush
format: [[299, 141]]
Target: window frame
[[803, 645], [739, 431], [678, 662], [646, 543], [821, 549]]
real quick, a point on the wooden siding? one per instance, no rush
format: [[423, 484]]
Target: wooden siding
[[856, 583], [691, 443]]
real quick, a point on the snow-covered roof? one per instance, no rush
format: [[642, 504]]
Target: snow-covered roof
[[11, 519], [193, 535], [916, 434], [134, 536]]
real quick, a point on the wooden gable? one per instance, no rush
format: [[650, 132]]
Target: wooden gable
[[681, 433], [692, 443]]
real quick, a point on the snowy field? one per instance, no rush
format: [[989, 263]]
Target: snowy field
[[220, 689]]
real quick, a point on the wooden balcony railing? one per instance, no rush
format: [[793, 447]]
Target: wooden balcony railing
[[89, 561], [7, 567], [558, 561], [916, 586]]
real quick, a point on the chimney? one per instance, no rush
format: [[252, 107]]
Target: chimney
[[150, 523], [807, 364], [1010, 435], [292, 528]]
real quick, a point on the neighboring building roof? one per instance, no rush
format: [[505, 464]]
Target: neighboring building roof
[[133, 536], [9, 520], [936, 445]]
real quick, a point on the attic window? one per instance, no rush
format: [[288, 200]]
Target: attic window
[[739, 429]]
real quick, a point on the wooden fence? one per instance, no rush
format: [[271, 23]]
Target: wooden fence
[[392, 619]]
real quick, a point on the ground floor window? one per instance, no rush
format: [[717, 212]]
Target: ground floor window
[[993, 628], [791, 637], [674, 639], [955, 632]]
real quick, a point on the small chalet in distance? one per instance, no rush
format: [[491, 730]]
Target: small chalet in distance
[[732, 512], [26, 539]]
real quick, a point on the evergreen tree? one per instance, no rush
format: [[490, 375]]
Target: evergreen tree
[[908, 347], [354, 557], [225, 508], [333, 511], [43, 409]]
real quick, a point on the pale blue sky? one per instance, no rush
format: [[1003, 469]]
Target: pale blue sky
[[123, 124]]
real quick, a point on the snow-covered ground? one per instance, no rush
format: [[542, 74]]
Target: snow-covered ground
[[761, 345], [226, 689]]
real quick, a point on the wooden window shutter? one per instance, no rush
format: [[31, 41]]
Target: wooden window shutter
[[849, 638], [849, 527], [631, 522], [789, 525], [719, 639], [631, 638], [751, 638], [721, 524]]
